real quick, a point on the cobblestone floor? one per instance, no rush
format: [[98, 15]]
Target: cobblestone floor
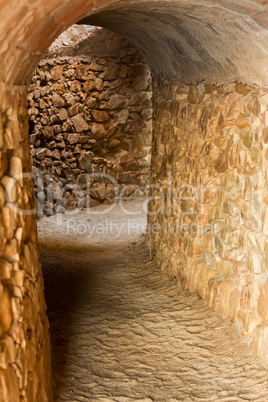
[[122, 331]]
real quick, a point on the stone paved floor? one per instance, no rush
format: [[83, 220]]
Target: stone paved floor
[[122, 331]]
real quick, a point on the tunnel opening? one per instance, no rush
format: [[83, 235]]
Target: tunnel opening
[[91, 121], [91, 175], [208, 174]]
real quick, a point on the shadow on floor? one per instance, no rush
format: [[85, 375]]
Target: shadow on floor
[[66, 284]]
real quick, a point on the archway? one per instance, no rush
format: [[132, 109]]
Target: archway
[[90, 113], [184, 43]]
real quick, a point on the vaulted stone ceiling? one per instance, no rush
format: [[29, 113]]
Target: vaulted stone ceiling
[[194, 40], [185, 40]]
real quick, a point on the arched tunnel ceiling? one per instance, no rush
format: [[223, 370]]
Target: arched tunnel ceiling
[[195, 40]]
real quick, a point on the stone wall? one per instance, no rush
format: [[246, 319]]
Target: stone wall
[[25, 368], [91, 123], [208, 216], [227, 41]]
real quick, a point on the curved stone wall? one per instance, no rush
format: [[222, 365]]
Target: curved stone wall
[[208, 217], [25, 363], [185, 42], [91, 122]]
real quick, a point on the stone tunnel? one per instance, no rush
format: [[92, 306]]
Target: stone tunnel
[[207, 211]]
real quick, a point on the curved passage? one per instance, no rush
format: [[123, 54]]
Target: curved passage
[[206, 136], [183, 40], [122, 331], [192, 41]]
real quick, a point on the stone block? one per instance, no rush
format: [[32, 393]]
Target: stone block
[[82, 72], [124, 157], [97, 131], [256, 262], [79, 123], [111, 73], [73, 110], [117, 102], [56, 73], [62, 113], [48, 132], [57, 100], [99, 116], [5, 309], [85, 162]]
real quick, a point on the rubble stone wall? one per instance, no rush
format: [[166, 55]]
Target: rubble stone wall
[[227, 41], [91, 125], [208, 215], [25, 367]]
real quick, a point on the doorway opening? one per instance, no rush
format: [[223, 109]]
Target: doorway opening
[[90, 113]]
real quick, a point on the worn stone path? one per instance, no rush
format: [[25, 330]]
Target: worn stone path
[[122, 331]]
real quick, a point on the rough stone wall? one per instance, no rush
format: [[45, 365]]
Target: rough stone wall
[[208, 216], [227, 41], [91, 124], [24, 345], [89, 41]]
